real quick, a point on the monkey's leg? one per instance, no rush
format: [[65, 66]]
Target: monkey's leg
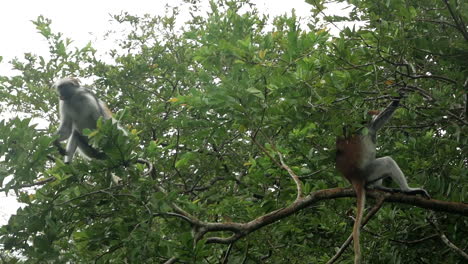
[[386, 166], [72, 144]]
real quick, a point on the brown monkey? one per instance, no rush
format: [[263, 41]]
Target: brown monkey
[[356, 161]]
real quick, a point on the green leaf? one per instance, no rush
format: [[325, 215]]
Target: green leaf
[[256, 93]]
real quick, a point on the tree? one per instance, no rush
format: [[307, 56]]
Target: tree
[[232, 126]]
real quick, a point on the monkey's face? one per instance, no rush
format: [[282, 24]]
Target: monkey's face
[[67, 87], [66, 91]]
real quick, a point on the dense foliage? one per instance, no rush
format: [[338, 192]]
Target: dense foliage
[[212, 108]]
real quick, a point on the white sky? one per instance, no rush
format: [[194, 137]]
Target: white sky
[[87, 20], [83, 21]]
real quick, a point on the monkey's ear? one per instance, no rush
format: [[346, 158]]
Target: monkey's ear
[[69, 80], [75, 81], [53, 86]]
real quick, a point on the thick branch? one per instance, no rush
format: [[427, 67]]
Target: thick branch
[[240, 230], [431, 204]]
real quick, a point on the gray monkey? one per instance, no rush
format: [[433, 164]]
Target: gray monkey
[[79, 109]]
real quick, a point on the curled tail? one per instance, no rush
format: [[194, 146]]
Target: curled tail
[[360, 203]]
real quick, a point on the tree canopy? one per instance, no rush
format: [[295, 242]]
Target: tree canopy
[[232, 122]]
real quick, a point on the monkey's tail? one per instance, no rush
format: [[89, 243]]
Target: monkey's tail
[[86, 149], [360, 190]]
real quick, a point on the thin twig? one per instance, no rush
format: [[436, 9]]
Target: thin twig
[[435, 77], [103, 191], [293, 175], [228, 252], [42, 182], [416, 241], [440, 22], [171, 260], [149, 164], [458, 21], [267, 153], [175, 215], [446, 241]]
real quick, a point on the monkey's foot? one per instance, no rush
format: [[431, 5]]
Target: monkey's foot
[[414, 191]]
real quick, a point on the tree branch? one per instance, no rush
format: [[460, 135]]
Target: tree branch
[[435, 77], [446, 241], [458, 21], [149, 164], [240, 230], [41, 182], [171, 260], [293, 175]]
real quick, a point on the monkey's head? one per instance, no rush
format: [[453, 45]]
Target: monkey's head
[[67, 87]]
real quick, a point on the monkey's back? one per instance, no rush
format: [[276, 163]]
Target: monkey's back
[[84, 104], [349, 157]]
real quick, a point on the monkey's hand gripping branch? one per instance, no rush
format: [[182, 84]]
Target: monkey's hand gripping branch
[[59, 147]]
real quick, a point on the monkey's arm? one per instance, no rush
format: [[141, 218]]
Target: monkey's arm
[[383, 117], [66, 125], [64, 130], [64, 133]]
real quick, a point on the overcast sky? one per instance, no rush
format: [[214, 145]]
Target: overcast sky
[[83, 21], [87, 20]]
